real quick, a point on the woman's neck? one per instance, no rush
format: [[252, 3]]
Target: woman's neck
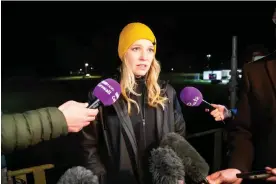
[[140, 78]]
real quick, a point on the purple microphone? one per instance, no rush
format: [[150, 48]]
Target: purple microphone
[[106, 92], [192, 97]]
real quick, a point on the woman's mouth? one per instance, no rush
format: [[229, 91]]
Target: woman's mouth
[[142, 67]]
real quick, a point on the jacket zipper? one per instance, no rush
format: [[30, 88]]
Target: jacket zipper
[[143, 116], [144, 131], [143, 108]]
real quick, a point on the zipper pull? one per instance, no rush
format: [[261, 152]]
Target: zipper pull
[[144, 122]]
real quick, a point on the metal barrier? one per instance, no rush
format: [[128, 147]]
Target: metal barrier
[[218, 140]]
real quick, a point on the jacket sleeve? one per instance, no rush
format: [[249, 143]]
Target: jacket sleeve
[[21, 130], [180, 124], [90, 146], [241, 148]]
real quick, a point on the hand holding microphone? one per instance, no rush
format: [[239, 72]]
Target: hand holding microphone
[[77, 115], [234, 176], [220, 113], [227, 176], [271, 171], [192, 97]]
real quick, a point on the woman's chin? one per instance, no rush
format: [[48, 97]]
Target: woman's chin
[[140, 73]]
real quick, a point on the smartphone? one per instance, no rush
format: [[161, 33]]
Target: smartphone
[[254, 175]]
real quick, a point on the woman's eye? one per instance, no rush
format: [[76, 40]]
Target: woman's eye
[[151, 50], [135, 48]]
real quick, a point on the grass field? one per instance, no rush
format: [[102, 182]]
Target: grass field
[[27, 95]]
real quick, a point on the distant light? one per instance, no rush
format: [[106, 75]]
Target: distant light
[[91, 68], [80, 69], [224, 81], [171, 69], [208, 56], [86, 64], [87, 75], [71, 72]]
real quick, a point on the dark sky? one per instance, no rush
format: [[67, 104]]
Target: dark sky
[[50, 38]]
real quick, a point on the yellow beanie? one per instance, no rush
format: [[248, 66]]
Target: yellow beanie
[[131, 33]]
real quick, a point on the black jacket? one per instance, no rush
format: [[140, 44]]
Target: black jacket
[[110, 146]]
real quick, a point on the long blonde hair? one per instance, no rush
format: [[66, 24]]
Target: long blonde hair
[[128, 85]]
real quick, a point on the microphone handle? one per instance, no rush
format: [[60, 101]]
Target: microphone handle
[[95, 104], [210, 106]]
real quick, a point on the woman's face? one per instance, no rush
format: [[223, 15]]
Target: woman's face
[[139, 57]]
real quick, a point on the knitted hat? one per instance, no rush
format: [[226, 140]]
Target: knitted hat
[[131, 33]]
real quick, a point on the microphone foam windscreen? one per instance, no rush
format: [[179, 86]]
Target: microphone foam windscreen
[[185, 150], [166, 167], [78, 175]]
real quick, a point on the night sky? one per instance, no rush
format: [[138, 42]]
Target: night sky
[[50, 39]]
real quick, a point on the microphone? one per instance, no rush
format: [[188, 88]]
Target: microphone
[[192, 97], [78, 175], [194, 165], [193, 172], [166, 167], [106, 92]]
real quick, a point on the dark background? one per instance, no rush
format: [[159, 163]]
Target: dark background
[[53, 38]]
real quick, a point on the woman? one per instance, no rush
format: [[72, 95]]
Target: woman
[[119, 144]]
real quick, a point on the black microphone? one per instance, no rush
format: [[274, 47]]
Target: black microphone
[[105, 93], [166, 167], [78, 175], [195, 166]]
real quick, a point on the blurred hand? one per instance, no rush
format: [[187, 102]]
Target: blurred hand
[[273, 172], [227, 176], [218, 113], [77, 115]]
